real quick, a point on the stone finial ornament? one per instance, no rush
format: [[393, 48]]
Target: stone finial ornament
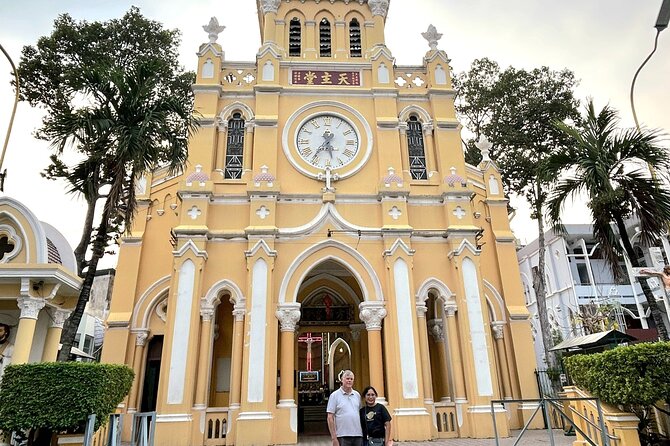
[[432, 36], [454, 178], [270, 6], [484, 146], [213, 29], [379, 7], [197, 177], [264, 176], [391, 178]]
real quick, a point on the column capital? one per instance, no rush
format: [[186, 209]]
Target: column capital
[[288, 315], [450, 309], [372, 314], [379, 7], [421, 309], [436, 329], [141, 337], [269, 6], [207, 310], [58, 317], [239, 311], [30, 307], [498, 328]]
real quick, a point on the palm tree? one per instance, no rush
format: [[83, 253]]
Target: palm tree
[[131, 127], [610, 166]]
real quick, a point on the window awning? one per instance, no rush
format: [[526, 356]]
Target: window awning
[[594, 340], [77, 352]]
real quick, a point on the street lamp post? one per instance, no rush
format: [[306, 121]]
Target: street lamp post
[[3, 173], [661, 24]]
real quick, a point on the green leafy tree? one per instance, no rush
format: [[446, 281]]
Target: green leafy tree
[[515, 110], [608, 166], [115, 94]]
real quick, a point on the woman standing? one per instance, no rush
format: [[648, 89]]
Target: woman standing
[[375, 420]]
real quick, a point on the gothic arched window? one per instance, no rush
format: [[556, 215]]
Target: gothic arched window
[[354, 38], [235, 148], [324, 38], [417, 154], [294, 37]]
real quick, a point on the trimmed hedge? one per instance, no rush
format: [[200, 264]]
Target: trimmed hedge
[[633, 375], [60, 395]]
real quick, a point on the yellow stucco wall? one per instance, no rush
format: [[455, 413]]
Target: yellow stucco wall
[[386, 245]]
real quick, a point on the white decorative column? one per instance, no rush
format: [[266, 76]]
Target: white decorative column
[[437, 332], [30, 310], [425, 353], [404, 318], [236, 362], [372, 313], [58, 317], [475, 317], [141, 337], [180, 333], [455, 353], [498, 328], [288, 315], [206, 316]]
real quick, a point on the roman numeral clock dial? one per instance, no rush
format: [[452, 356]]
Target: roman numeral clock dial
[[327, 140]]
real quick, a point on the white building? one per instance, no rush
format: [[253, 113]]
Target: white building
[[92, 326], [577, 276]]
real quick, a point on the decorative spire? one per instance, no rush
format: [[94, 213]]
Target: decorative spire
[[379, 7], [432, 36], [213, 29], [484, 146]]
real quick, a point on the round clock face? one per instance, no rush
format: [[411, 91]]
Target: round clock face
[[327, 140]]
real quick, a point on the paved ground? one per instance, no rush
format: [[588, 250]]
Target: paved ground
[[530, 438]]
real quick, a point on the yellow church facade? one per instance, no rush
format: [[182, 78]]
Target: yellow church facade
[[326, 221]]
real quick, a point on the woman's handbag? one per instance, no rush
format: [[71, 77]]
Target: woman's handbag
[[375, 442]]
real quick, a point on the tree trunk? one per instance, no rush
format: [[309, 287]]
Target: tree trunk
[[656, 314], [72, 324], [540, 287], [85, 240]]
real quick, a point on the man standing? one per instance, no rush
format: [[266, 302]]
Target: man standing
[[344, 422]]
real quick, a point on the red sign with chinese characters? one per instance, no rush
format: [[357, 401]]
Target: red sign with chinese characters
[[330, 77]]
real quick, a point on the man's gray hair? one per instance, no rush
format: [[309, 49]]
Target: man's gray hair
[[347, 373]]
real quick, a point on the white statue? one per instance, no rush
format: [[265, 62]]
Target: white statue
[[6, 348]]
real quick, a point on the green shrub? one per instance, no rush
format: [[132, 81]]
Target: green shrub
[[60, 395], [633, 375], [633, 378]]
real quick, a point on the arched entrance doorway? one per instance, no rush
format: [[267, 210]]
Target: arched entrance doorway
[[328, 341]]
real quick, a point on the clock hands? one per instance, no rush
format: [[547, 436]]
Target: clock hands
[[327, 138]]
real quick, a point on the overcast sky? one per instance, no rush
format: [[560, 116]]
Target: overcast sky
[[602, 41]]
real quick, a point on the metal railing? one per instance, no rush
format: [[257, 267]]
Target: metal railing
[[144, 427], [555, 404]]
